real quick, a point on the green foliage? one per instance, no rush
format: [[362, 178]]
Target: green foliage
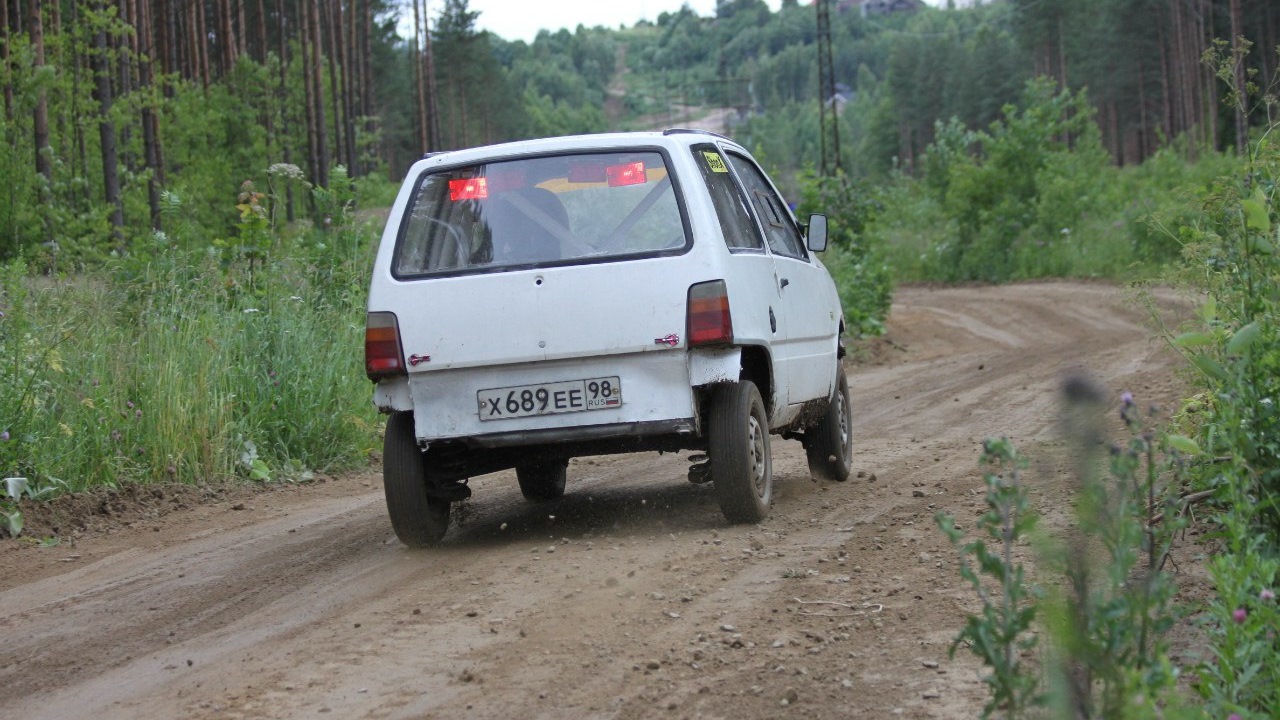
[[1107, 655], [854, 259], [174, 364], [1109, 625], [1016, 203], [1002, 634], [1231, 245], [1022, 180]]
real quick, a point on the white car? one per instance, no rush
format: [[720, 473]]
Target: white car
[[537, 301]]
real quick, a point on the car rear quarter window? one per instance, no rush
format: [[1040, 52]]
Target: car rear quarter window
[[740, 231]]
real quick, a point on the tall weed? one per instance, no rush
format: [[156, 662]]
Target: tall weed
[[1232, 246], [180, 365], [1099, 594]]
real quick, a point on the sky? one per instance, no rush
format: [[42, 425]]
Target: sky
[[521, 19]]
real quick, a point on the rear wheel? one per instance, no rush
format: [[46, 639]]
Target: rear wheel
[[542, 481], [741, 466], [417, 519], [829, 444]]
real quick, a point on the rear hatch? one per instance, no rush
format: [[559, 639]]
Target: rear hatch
[[540, 258]]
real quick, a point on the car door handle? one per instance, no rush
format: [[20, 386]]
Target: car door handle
[[773, 321], [784, 282]]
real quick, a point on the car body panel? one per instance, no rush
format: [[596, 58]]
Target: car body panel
[[563, 321]]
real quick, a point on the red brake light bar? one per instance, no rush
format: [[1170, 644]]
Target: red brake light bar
[[628, 174], [468, 189]]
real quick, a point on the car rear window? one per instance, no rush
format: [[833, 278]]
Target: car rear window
[[541, 211]]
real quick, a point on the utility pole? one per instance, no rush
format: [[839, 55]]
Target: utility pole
[[826, 91]]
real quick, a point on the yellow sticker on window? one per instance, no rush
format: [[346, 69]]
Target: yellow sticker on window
[[715, 162]]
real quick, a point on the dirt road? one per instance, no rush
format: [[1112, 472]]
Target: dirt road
[[630, 598]]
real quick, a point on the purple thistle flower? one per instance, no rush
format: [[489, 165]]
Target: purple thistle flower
[[137, 413], [1234, 716], [129, 404], [1126, 398], [1265, 595], [1240, 615], [4, 436]]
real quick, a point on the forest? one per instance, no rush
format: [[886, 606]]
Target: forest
[[112, 106]]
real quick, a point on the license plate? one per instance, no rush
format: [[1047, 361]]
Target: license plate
[[550, 398]]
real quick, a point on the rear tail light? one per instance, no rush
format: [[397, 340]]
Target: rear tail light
[[709, 321], [382, 354]]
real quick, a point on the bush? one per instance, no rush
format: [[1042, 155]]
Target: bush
[[184, 365], [855, 259]]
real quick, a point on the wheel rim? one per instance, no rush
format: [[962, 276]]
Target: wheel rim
[[843, 425], [756, 455]]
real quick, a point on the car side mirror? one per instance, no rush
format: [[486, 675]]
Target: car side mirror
[[817, 232]]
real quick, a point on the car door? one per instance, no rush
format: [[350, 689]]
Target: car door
[[752, 273], [808, 325]]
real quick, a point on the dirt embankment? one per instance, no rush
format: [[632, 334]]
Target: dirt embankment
[[629, 598]]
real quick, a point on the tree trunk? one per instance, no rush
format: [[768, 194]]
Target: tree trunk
[[418, 72], [243, 35], [107, 132], [344, 48], [228, 39], [1242, 101], [262, 32], [150, 125], [434, 141], [308, 91], [322, 138], [40, 121], [44, 160], [286, 151], [4, 58], [331, 36]]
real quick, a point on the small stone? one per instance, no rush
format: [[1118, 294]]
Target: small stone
[[728, 628], [931, 695], [238, 506], [653, 665], [790, 697], [931, 664], [917, 493]]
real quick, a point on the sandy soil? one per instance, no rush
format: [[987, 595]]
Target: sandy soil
[[630, 598]]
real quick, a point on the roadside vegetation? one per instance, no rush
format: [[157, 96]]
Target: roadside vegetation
[[184, 269]]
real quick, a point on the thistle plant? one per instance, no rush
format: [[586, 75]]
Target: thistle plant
[[1109, 624], [1002, 633]]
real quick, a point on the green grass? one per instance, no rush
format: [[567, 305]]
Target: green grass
[[187, 368]]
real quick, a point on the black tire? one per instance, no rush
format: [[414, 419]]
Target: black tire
[[829, 444], [741, 465], [417, 519], [540, 482]]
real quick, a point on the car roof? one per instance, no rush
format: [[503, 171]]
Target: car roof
[[672, 138]]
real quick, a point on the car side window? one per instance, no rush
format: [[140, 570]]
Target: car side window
[[779, 229], [740, 231]]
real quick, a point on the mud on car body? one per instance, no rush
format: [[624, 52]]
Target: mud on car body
[[542, 300]]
